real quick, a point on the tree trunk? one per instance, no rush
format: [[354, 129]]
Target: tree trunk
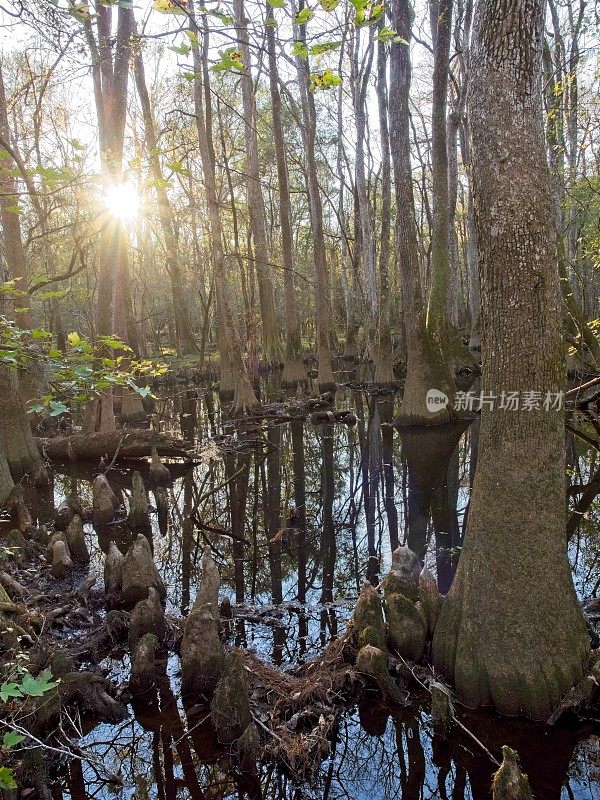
[[14, 252], [230, 349], [185, 338], [359, 83], [511, 633], [325, 379], [256, 206], [425, 369], [472, 257], [294, 373], [384, 363], [110, 72], [437, 320], [18, 451]]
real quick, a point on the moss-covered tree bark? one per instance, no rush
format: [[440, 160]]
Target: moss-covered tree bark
[[18, 451], [511, 633]]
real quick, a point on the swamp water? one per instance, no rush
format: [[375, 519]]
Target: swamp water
[[298, 516]]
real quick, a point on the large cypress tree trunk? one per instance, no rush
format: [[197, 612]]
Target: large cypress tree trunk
[[360, 73], [511, 633], [437, 321], [18, 451]]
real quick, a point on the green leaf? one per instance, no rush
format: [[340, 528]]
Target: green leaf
[[180, 49], [231, 59], [299, 49], [325, 47], [387, 34], [57, 408], [168, 7], [324, 80], [6, 779], [8, 690], [329, 5], [74, 338], [304, 16], [114, 342], [276, 3], [11, 739], [37, 687], [52, 294]]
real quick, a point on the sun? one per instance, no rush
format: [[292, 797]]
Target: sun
[[122, 201]]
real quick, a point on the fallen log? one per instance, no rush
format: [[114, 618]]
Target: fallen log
[[122, 444], [342, 415]]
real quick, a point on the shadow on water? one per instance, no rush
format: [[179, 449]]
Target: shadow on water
[[297, 516]]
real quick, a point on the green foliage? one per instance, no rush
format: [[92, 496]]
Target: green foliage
[[329, 5], [169, 6], [299, 49], [37, 687], [29, 686], [585, 199], [367, 12], [14, 693], [387, 34], [78, 374], [231, 60], [324, 80], [325, 47], [6, 779], [304, 16], [9, 690], [11, 739], [181, 49]]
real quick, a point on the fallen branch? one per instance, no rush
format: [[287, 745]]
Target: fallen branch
[[581, 388], [132, 444]]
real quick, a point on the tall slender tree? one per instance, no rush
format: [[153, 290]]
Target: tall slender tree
[[325, 379], [294, 372], [425, 369], [166, 215], [256, 205], [230, 349]]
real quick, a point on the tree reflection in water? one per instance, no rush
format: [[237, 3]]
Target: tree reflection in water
[[298, 516]]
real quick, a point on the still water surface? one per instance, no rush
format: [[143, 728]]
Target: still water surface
[[298, 516]]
